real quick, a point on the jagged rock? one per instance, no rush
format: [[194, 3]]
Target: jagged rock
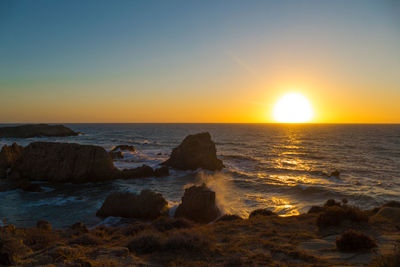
[[116, 155], [161, 172], [261, 212], [195, 151], [63, 162], [148, 205], [139, 172], [8, 156], [44, 225], [35, 130], [123, 148], [198, 204]]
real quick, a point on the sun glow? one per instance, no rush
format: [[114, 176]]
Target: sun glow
[[293, 108]]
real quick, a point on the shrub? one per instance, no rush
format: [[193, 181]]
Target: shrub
[[146, 242], [261, 212], [335, 215], [352, 240], [167, 223], [187, 240]]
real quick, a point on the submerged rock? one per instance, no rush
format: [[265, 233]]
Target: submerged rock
[[8, 156], [148, 205], [123, 148], [35, 130], [63, 162], [195, 151], [161, 172], [198, 204], [261, 212], [139, 172]]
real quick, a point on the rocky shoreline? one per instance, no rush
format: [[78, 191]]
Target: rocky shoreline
[[198, 233]]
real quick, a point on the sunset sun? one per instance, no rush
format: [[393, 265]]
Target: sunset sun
[[293, 108]]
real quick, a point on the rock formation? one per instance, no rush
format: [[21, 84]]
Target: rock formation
[[139, 172], [195, 151], [198, 204], [148, 205], [63, 162], [8, 156], [35, 130]]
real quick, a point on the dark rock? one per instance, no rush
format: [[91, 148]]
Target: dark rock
[[195, 151], [116, 155], [44, 225], [161, 172], [315, 209], [335, 173], [35, 130], [8, 156], [29, 187], [352, 240], [261, 212], [229, 218], [123, 148], [63, 162], [392, 204], [139, 172], [331, 203], [148, 205], [198, 204]]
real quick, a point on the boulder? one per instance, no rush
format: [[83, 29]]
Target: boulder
[[123, 148], [161, 172], [35, 130], [8, 156], [139, 172], [261, 212], [148, 205], [195, 151], [198, 204], [63, 162]]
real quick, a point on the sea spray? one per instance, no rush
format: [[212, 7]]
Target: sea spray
[[228, 197]]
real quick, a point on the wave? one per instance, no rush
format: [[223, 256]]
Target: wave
[[238, 157]]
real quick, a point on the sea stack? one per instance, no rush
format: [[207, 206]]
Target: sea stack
[[195, 151]]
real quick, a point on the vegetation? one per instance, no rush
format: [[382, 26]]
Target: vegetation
[[352, 240]]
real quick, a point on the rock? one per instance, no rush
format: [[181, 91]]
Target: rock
[[315, 209], [352, 240], [8, 156], [335, 173], [161, 172], [35, 130], [63, 162], [139, 172], [123, 148], [389, 213], [198, 204], [195, 151], [148, 205], [116, 155], [261, 212], [29, 187], [44, 225]]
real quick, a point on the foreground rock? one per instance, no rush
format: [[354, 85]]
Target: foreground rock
[[8, 156], [62, 162], [198, 204], [148, 205], [35, 130], [195, 151]]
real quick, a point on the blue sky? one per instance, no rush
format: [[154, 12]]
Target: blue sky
[[160, 55]]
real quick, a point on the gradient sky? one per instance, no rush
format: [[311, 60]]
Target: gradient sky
[[198, 61]]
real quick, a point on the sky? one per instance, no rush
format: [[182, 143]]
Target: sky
[[198, 61]]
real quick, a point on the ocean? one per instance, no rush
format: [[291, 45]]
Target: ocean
[[282, 167]]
